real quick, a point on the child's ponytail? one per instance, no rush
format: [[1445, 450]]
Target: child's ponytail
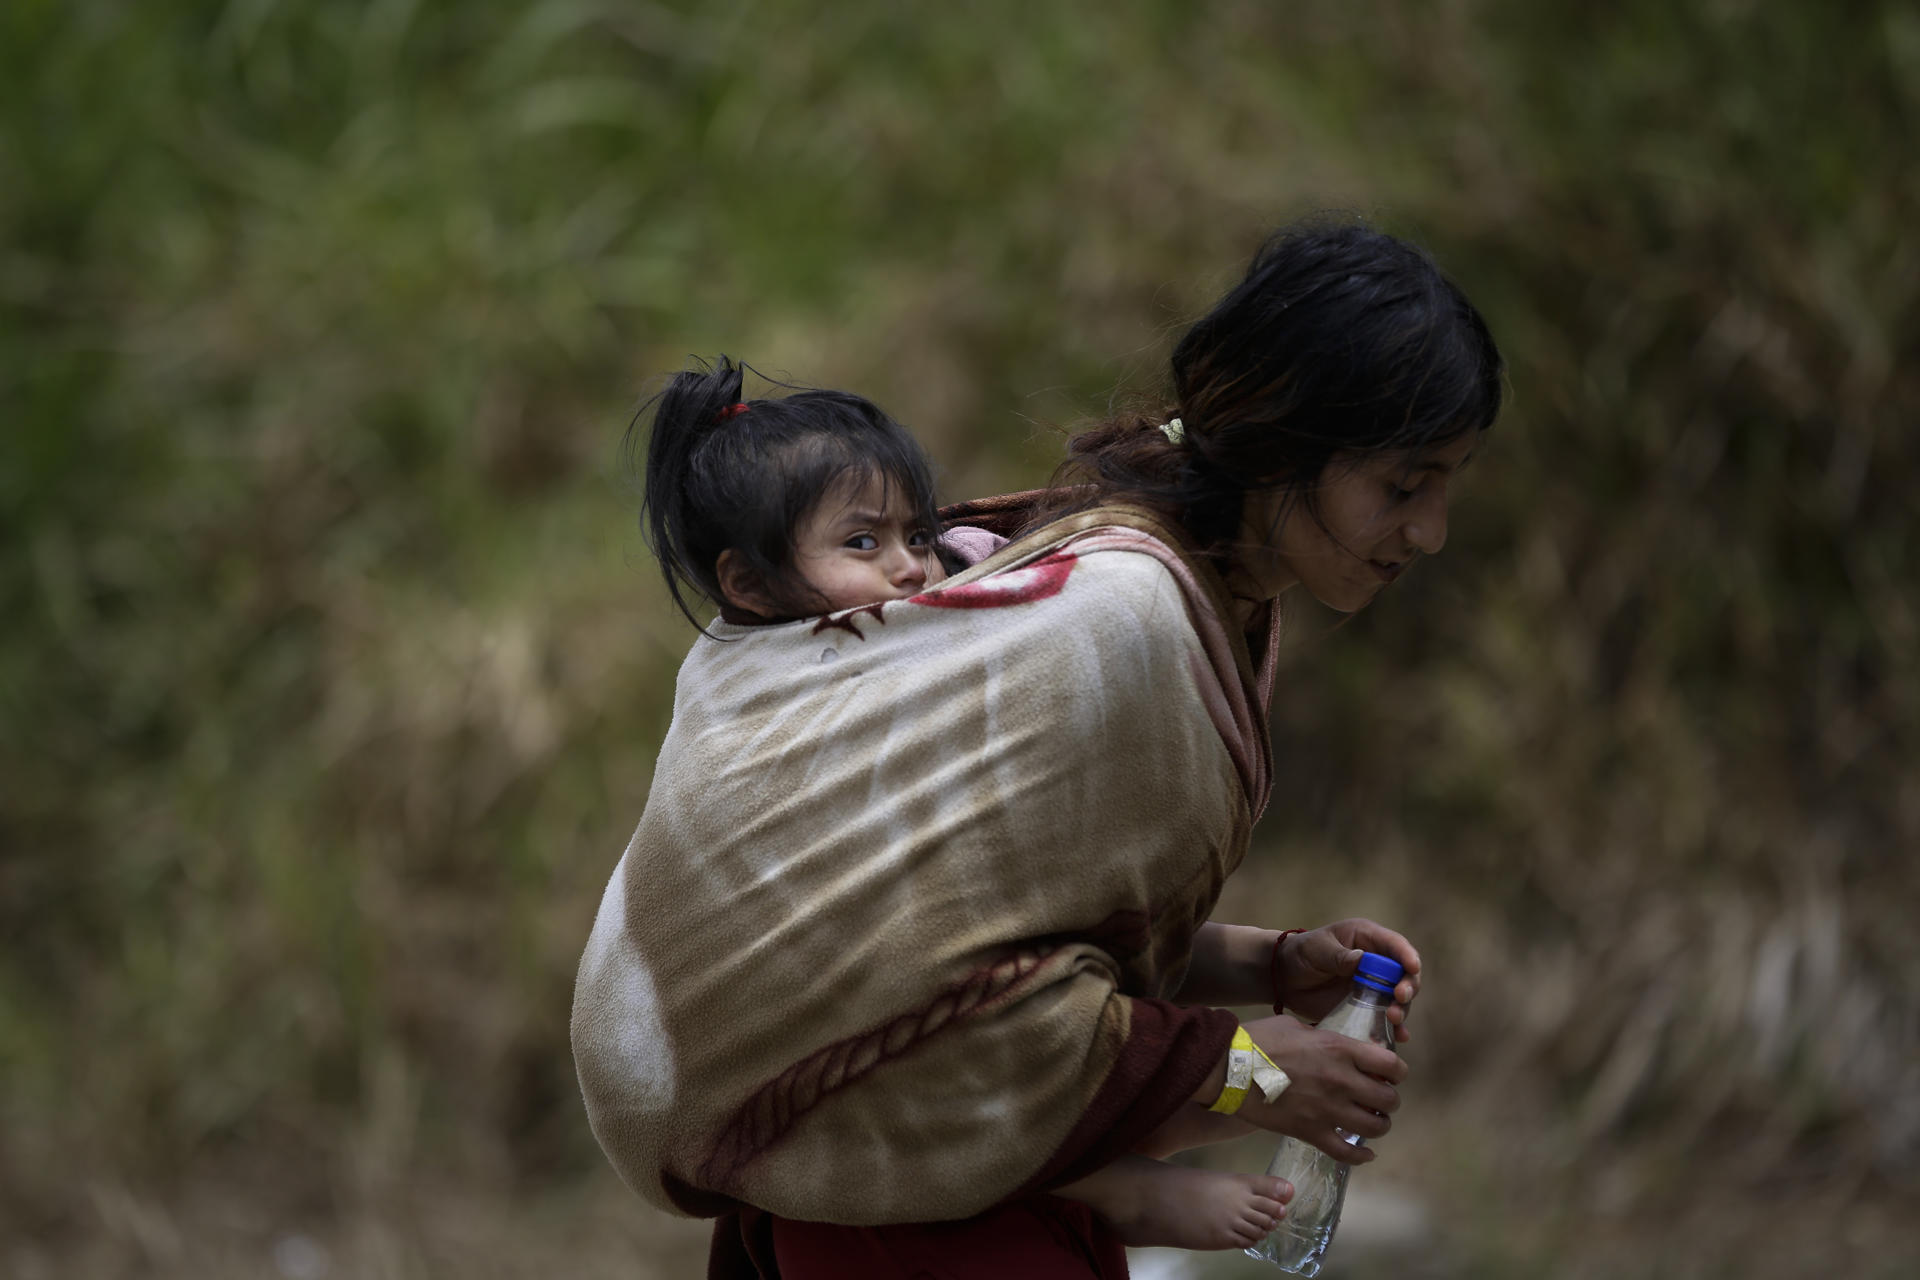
[[692, 406]]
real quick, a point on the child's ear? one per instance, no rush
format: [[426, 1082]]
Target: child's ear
[[740, 586]]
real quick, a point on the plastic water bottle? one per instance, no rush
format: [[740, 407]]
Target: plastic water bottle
[[1319, 1181]]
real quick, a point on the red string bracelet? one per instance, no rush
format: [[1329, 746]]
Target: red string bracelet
[[1279, 987]]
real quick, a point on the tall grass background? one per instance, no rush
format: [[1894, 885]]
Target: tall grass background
[[333, 666]]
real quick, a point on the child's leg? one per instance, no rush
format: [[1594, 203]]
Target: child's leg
[[1191, 1127], [1150, 1203]]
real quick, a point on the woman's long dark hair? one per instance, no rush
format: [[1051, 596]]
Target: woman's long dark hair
[[1339, 340], [723, 474]]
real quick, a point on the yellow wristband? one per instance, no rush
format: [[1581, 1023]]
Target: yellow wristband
[[1248, 1065]]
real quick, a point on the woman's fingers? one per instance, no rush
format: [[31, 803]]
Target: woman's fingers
[[1333, 952], [1330, 1141], [1366, 1123], [1374, 1096], [1378, 1061], [1364, 1094], [1371, 935]]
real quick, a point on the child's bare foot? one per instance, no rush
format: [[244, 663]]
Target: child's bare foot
[[1172, 1206]]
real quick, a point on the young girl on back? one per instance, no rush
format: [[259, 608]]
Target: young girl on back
[[785, 508], [815, 503]]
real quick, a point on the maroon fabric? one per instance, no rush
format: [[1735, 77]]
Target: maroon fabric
[[1169, 1051], [1037, 1238], [1005, 514], [742, 1247]]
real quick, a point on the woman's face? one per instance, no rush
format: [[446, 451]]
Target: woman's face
[[1377, 513]]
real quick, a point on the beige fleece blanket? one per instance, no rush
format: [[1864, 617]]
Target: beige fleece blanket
[[872, 952]]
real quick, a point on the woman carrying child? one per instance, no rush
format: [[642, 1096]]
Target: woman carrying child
[[914, 928]]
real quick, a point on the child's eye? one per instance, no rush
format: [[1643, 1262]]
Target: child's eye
[[920, 538], [1398, 494], [863, 542]]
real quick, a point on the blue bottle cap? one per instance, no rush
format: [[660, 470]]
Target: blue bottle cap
[[1380, 972]]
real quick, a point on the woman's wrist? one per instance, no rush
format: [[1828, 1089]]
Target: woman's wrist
[[1250, 1073], [1277, 968], [1261, 1076]]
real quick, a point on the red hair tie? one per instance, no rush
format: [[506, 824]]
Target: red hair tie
[[731, 411]]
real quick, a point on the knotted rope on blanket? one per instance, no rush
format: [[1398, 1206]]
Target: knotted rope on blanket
[[889, 940]]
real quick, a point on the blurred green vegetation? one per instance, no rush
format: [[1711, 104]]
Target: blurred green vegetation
[[333, 666]]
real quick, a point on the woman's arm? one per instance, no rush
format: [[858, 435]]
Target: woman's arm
[[1308, 971], [1231, 964]]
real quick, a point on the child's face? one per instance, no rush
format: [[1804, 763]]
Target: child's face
[[864, 543]]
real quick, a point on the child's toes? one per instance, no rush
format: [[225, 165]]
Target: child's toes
[[1274, 1188]]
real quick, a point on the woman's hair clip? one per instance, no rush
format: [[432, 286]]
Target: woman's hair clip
[[731, 411], [1174, 430]]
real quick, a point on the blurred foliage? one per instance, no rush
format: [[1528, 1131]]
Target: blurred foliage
[[333, 666]]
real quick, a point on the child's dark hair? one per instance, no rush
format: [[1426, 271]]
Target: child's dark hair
[[722, 474], [1339, 339]]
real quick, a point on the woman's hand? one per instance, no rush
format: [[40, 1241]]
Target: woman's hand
[[1338, 1083], [1316, 968]]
